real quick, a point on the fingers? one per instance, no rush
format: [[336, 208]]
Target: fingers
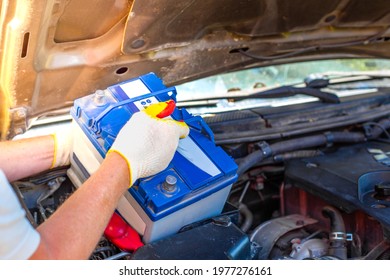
[[162, 110], [181, 127]]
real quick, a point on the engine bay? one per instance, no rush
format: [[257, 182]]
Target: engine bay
[[313, 183]]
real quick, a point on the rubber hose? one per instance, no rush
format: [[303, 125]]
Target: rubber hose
[[336, 221], [348, 137], [249, 161], [247, 214], [297, 154], [337, 246], [378, 130], [299, 144]]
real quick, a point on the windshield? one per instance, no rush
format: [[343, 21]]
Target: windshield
[[250, 80]]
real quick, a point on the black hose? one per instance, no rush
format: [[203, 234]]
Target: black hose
[[317, 140], [248, 217], [336, 221], [327, 138], [337, 236], [297, 154], [298, 144], [306, 142], [250, 161], [380, 128]]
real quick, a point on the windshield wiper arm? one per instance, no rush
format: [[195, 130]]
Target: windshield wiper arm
[[278, 92], [286, 91]]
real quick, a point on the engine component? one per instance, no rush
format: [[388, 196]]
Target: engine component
[[224, 237], [268, 233], [337, 236], [309, 249], [356, 187], [266, 150], [53, 187], [40, 196], [194, 186], [105, 250], [378, 251], [350, 184], [327, 138]]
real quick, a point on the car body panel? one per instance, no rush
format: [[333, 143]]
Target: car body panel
[[55, 51]]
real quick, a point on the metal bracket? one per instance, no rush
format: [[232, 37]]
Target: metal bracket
[[341, 236]]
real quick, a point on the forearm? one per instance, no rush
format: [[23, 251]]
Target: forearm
[[80, 221], [26, 157]]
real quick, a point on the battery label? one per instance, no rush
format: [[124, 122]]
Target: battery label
[[135, 88]]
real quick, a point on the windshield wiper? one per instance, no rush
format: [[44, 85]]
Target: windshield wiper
[[314, 83], [313, 86], [286, 91], [273, 93]]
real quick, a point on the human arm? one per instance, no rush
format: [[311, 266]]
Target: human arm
[[81, 220], [26, 157], [29, 156], [73, 231]]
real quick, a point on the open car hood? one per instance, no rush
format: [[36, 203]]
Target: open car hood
[[56, 51]]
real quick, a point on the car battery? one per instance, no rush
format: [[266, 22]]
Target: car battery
[[194, 186]]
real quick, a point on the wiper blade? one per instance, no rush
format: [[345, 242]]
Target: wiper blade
[[273, 93], [325, 79], [314, 83], [312, 86], [286, 91], [344, 74]]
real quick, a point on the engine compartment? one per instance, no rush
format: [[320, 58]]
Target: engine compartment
[[304, 190], [353, 180], [319, 207]]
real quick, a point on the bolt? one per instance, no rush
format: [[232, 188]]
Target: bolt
[[170, 183], [100, 98]]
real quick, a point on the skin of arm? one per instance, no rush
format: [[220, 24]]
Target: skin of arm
[[86, 212], [38, 150]]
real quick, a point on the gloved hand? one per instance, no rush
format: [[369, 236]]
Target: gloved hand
[[62, 147], [148, 143]]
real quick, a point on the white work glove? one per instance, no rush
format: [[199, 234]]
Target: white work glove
[[63, 141], [62, 147], [148, 144]]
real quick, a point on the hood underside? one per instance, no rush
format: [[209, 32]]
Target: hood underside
[[55, 51]]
